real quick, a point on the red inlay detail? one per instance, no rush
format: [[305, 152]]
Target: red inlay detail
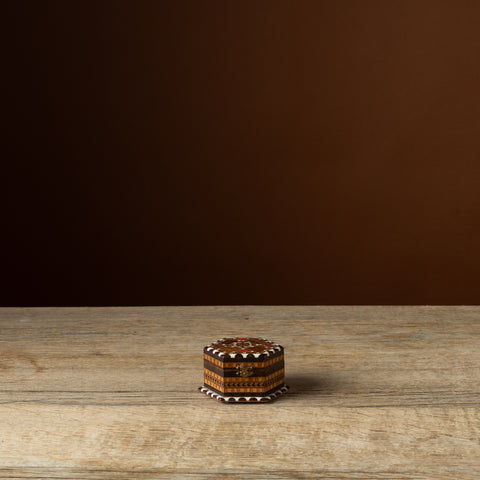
[[241, 339], [244, 351]]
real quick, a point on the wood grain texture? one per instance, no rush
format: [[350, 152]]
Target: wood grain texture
[[376, 393]]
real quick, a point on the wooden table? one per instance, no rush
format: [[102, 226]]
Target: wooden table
[[110, 393]]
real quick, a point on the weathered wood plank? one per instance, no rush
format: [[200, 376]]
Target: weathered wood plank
[[178, 474], [310, 398], [376, 392], [223, 437]]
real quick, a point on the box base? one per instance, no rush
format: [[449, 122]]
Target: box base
[[228, 399]]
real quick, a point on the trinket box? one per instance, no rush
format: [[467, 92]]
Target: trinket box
[[244, 370]]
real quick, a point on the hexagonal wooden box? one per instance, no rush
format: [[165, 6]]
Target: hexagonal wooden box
[[244, 370]]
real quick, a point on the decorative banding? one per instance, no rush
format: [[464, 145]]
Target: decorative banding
[[244, 370], [239, 380], [225, 362], [228, 357], [244, 399], [231, 369], [236, 391]]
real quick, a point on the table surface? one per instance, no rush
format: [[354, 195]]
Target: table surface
[[375, 393]]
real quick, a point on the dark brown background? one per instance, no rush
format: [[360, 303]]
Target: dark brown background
[[212, 152]]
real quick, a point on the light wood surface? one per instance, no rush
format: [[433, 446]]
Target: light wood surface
[[111, 393]]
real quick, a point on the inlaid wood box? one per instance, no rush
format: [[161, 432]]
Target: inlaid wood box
[[244, 370]]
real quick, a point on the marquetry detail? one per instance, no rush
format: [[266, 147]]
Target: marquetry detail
[[241, 372], [264, 364]]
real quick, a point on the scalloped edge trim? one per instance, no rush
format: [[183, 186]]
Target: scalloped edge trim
[[278, 393], [267, 353]]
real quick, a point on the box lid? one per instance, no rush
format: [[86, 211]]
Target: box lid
[[243, 347]]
